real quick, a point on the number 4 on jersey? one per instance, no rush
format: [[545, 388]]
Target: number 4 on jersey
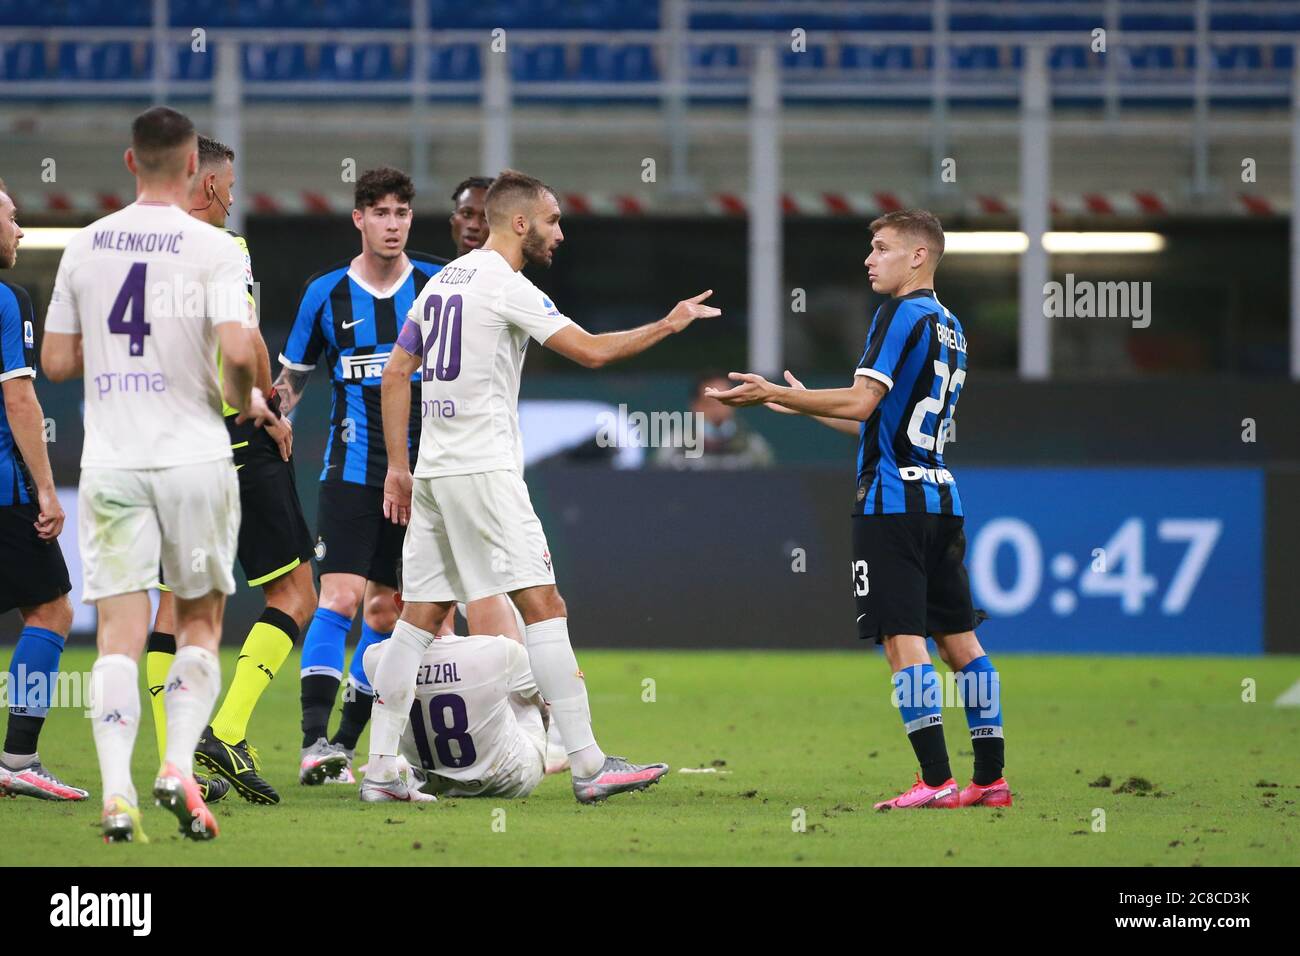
[[131, 296]]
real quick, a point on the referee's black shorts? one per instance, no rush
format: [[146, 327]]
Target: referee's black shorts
[[353, 536], [32, 571], [909, 576], [273, 534]]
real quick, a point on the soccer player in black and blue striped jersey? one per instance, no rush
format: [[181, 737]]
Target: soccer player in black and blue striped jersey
[[34, 578], [909, 545], [350, 315]]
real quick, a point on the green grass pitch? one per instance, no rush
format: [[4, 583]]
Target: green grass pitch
[[794, 738]]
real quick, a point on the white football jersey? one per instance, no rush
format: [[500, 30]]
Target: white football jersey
[[475, 697], [475, 318], [145, 287]]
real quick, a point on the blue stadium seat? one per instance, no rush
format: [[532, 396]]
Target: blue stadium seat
[[545, 14], [189, 65], [714, 56], [1237, 57], [23, 61], [1072, 58], [275, 61], [1152, 57], [540, 63], [359, 62], [811, 60], [457, 63], [107, 62], [975, 58], [74, 13], [627, 63]]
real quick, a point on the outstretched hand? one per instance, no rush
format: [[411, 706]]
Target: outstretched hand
[[688, 310], [794, 383], [752, 390]]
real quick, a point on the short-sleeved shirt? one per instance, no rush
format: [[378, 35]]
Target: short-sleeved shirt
[[17, 335], [354, 326], [471, 326], [473, 694], [146, 287], [916, 349]]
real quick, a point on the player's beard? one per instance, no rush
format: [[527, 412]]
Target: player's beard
[[8, 256], [534, 248]]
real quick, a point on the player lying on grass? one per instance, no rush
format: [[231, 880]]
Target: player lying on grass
[[478, 722], [33, 575], [275, 546], [909, 544]]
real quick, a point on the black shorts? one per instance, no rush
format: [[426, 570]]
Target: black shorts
[[32, 571], [273, 534], [909, 576], [353, 536]]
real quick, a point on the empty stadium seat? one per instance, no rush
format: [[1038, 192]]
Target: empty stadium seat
[[811, 60], [359, 62], [881, 57], [538, 63], [455, 63], [187, 64], [275, 61], [714, 56], [22, 61], [628, 63], [104, 62]]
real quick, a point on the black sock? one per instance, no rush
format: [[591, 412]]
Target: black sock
[[931, 754], [356, 714], [161, 641], [990, 757], [318, 693], [22, 734]]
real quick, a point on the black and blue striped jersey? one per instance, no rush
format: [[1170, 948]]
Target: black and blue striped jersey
[[355, 328], [917, 349], [17, 336]]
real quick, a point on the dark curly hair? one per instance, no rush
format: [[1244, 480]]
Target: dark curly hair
[[374, 184]]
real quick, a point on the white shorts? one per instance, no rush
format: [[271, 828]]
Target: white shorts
[[472, 536], [515, 777], [131, 521]]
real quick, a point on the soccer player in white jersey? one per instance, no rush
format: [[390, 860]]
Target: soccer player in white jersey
[[142, 299], [471, 527], [478, 724]]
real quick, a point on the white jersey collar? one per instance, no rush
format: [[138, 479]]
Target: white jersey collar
[[371, 290]]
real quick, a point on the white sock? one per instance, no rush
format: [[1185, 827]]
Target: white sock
[[191, 691], [394, 683], [115, 712], [556, 670]]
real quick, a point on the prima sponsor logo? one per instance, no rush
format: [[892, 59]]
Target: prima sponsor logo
[[653, 430], [131, 383], [437, 408], [75, 909], [358, 367], [1098, 300]]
